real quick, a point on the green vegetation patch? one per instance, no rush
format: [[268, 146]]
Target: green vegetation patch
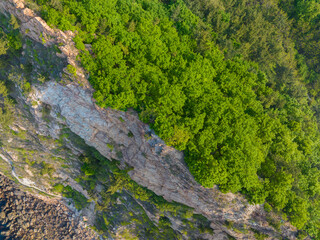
[[47, 168], [241, 100], [79, 199]]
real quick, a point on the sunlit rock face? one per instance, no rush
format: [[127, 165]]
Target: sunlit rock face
[[122, 136]]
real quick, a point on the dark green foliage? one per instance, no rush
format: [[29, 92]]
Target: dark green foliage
[[79, 200], [3, 44], [121, 119], [10, 36], [68, 192], [109, 145], [164, 221], [6, 114], [71, 69], [58, 188], [221, 80], [118, 186], [267, 207], [47, 169], [14, 22], [10, 40], [229, 224], [302, 235], [260, 236], [87, 169]]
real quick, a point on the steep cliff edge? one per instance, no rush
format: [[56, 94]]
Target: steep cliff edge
[[156, 166], [123, 137]]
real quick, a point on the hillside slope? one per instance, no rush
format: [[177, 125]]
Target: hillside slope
[[121, 176]]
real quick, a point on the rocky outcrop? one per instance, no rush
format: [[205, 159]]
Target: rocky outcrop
[[156, 166], [23, 216], [38, 30]]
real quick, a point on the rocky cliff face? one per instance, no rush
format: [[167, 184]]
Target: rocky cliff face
[[123, 137], [156, 166]]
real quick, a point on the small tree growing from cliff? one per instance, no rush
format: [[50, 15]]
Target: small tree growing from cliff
[[3, 46], [14, 22], [71, 69], [47, 169], [3, 43]]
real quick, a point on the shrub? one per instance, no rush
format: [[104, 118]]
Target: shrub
[[267, 207], [58, 188], [110, 146], [47, 169], [87, 169], [71, 69]]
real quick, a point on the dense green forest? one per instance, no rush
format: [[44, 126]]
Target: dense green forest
[[235, 84], [10, 43]]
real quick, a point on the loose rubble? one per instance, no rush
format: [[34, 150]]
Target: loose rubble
[[24, 216]]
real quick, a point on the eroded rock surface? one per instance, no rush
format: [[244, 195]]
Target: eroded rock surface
[[156, 166], [38, 30], [23, 216]]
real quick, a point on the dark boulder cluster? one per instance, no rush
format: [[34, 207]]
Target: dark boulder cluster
[[23, 216]]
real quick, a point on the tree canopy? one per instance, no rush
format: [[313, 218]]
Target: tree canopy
[[234, 84]]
